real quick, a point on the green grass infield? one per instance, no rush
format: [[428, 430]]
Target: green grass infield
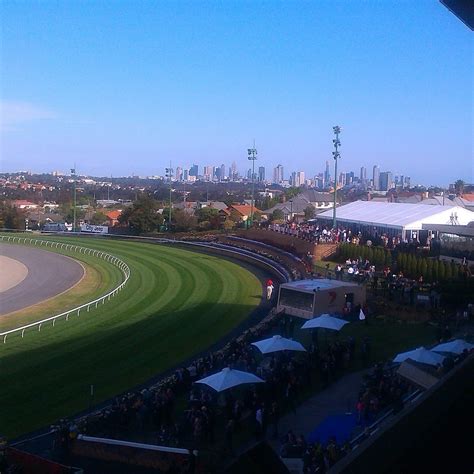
[[176, 304]]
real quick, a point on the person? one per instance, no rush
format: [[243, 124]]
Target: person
[[269, 291]]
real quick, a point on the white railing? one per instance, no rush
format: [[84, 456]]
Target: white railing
[[74, 248]]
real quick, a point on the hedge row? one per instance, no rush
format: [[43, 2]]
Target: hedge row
[[412, 266]]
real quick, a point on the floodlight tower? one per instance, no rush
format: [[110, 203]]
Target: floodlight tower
[[252, 156], [169, 175], [73, 176], [336, 155]]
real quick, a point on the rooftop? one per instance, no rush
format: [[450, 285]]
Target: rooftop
[[316, 284], [399, 215]]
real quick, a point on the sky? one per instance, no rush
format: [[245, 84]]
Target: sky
[[125, 87]]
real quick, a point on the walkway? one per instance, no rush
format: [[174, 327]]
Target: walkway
[[334, 400]]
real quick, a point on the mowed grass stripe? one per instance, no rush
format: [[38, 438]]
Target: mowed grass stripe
[[177, 303]]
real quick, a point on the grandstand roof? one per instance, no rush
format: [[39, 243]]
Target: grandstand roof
[[399, 215]]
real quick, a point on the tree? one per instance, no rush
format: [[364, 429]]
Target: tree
[[411, 266], [435, 270], [142, 216], [309, 212], [290, 193], [229, 224], [459, 186], [98, 218], [448, 274], [441, 271], [11, 217], [206, 214], [277, 215], [424, 269], [429, 269], [209, 215], [404, 263], [183, 221]]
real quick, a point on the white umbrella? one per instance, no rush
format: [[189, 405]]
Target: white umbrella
[[420, 355], [276, 344], [228, 378], [324, 321], [456, 347]]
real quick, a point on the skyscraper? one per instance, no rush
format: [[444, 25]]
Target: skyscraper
[[208, 172], [300, 178], [293, 178], [363, 174], [385, 180], [261, 174], [376, 177], [327, 175], [319, 181], [233, 171], [194, 170], [222, 177], [278, 174]]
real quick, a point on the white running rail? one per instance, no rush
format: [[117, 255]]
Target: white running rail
[[125, 269]]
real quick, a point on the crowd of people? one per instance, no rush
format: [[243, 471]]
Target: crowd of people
[[312, 232], [157, 414], [382, 390]]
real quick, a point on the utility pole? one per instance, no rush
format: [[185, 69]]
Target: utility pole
[[169, 175], [73, 174], [252, 156], [336, 155]]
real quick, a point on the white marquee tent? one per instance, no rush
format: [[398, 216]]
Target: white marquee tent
[[400, 217]]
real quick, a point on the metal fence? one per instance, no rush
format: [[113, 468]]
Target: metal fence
[[124, 268]]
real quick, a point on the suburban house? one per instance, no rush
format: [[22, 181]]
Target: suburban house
[[23, 204], [240, 213], [295, 208], [112, 217]]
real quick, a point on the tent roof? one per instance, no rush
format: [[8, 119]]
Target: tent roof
[[398, 215], [316, 284]]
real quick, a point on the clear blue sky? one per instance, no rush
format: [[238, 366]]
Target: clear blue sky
[[123, 87]]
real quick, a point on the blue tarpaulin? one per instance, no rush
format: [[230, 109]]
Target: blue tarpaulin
[[339, 426]]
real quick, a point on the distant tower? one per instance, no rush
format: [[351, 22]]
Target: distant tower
[[363, 174], [327, 175], [278, 174], [233, 171], [376, 177]]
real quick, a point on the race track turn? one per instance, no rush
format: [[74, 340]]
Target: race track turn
[[48, 274]]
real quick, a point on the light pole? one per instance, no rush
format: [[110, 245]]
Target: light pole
[[73, 174], [336, 155], [252, 156], [169, 175]]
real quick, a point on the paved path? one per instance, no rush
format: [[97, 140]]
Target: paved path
[[48, 275], [334, 400]]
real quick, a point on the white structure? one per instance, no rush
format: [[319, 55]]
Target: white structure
[[309, 298], [397, 218]]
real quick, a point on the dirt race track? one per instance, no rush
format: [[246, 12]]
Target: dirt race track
[[47, 275]]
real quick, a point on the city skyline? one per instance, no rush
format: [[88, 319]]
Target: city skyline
[[130, 88]]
